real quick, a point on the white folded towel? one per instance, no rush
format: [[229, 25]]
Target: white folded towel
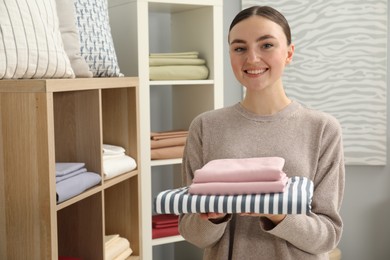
[[115, 166], [116, 247], [109, 149]]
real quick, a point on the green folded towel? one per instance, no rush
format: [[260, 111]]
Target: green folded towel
[[187, 72], [153, 61]]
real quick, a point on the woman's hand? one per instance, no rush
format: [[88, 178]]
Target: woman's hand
[[276, 219], [212, 216]]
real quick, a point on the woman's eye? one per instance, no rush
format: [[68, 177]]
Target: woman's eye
[[267, 45], [239, 49]]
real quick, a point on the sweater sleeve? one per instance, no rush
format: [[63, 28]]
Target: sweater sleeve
[[202, 233], [320, 231]]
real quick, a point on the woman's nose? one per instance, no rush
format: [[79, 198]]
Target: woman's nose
[[253, 56]]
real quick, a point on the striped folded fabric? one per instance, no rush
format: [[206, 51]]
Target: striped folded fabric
[[296, 199]]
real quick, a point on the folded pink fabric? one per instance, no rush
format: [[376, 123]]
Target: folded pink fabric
[[238, 188], [241, 170]]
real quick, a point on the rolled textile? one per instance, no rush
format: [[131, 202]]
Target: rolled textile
[[241, 170], [236, 188], [296, 199], [168, 142], [173, 72], [116, 165], [74, 186], [63, 168], [166, 61], [167, 152]]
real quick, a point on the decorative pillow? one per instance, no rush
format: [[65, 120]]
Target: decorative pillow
[[70, 37], [97, 46], [30, 41]]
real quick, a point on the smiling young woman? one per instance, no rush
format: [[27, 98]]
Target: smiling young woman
[[267, 123]]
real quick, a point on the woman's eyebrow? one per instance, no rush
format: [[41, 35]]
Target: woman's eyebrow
[[261, 38]]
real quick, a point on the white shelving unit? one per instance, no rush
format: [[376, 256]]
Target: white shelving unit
[[140, 27]]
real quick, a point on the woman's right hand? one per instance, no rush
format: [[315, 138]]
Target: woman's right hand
[[212, 215]]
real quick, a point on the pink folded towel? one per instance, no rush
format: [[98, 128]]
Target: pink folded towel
[[241, 170], [238, 188]]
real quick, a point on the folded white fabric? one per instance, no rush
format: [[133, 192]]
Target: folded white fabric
[[63, 168], [124, 255], [114, 166], [296, 199], [109, 149], [241, 170]]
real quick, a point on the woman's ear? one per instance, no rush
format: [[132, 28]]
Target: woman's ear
[[290, 53]]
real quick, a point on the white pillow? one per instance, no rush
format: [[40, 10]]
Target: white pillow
[[70, 37], [30, 41], [97, 46]]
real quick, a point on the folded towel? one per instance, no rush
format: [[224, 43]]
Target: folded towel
[[173, 72], [69, 175], [168, 142], [63, 168], [183, 55], [296, 199], [166, 61], [124, 255], [172, 152], [116, 248], [109, 239], [165, 232], [237, 188], [168, 134], [115, 166], [109, 149], [165, 220], [73, 186], [241, 170]]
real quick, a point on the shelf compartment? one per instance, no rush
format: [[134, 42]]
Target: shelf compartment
[[78, 236], [167, 240]]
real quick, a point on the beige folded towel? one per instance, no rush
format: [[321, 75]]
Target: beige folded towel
[[174, 141], [184, 72], [166, 61], [167, 153], [183, 55]]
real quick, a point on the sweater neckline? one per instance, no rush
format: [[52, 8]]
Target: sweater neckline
[[284, 113]]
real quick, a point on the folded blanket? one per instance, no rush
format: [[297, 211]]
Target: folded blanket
[[241, 170], [115, 166], [124, 255], [166, 61], [165, 220], [165, 232], [69, 175], [168, 142], [63, 168], [183, 55], [235, 188], [73, 186], [116, 248], [296, 199], [167, 153], [184, 72], [168, 134]]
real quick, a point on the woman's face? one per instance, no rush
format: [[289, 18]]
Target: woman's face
[[259, 53]]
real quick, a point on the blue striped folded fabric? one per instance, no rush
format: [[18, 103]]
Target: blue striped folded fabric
[[296, 199]]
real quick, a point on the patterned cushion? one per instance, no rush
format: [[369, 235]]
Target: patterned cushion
[[97, 46], [70, 37], [30, 41]]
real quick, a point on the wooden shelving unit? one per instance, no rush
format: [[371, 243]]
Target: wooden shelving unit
[[66, 120]]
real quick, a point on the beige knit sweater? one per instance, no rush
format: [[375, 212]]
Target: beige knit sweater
[[311, 143]]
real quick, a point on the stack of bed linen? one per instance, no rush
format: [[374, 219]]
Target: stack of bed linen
[[116, 162], [116, 247], [72, 178], [177, 66], [165, 225], [168, 144], [250, 185]]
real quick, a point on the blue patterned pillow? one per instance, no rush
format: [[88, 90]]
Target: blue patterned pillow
[[97, 46]]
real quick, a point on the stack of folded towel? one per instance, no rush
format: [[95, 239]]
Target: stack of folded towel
[[116, 247], [240, 176], [168, 144], [116, 162], [177, 66], [165, 225], [72, 178]]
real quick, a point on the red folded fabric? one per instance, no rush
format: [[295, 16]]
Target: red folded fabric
[[68, 258], [165, 232], [162, 219], [165, 225]]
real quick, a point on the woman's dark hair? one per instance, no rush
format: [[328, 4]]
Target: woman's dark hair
[[266, 12]]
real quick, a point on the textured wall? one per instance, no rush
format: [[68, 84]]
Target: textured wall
[[340, 67]]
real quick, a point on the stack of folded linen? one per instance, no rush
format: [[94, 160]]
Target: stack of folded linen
[[72, 178], [165, 225], [116, 162], [168, 144], [177, 66], [240, 176], [116, 247]]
